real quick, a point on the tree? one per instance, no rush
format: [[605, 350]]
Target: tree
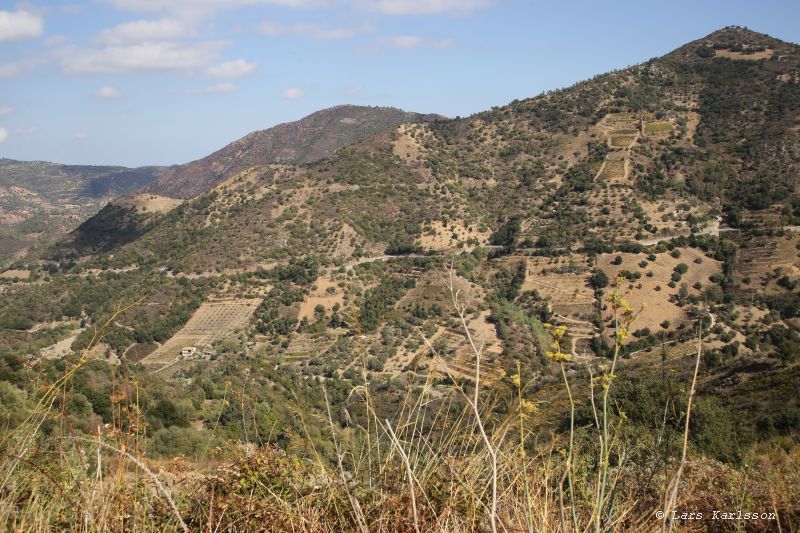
[[507, 234], [598, 279]]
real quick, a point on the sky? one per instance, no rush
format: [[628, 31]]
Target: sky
[[159, 82]]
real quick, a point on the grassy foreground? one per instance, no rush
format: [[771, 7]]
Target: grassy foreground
[[462, 461]]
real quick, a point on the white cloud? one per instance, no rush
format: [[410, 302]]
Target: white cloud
[[405, 42], [161, 5], [293, 93], [219, 88], [313, 31], [26, 131], [423, 7], [108, 92], [355, 90], [17, 68], [80, 136], [3, 134], [161, 56], [410, 42], [145, 31], [237, 68], [16, 25], [5, 110], [196, 10]]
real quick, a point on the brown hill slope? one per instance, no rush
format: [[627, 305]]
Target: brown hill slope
[[651, 152], [307, 140]]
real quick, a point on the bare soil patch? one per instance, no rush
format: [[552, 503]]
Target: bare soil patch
[[16, 274], [327, 294]]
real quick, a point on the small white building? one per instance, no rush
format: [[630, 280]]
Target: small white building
[[188, 351]]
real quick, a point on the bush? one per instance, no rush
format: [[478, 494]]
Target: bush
[[168, 442]]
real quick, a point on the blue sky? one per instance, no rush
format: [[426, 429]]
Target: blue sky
[[136, 82]]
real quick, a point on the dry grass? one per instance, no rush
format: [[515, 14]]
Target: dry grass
[[150, 203], [622, 141], [326, 293], [438, 237], [655, 305], [755, 56], [656, 128], [15, 274]]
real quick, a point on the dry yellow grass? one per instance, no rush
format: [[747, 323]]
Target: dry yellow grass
[[407, 145], [613, 172], [622, 141], [438, 237], [150, 203], [16, 274], [655, 128], [755, 56], [327, 294]]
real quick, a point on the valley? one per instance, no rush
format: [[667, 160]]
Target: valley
[[328, 305]]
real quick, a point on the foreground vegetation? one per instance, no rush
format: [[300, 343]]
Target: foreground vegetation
[[623, 451]]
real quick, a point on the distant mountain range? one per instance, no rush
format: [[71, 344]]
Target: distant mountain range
[[655, 150]]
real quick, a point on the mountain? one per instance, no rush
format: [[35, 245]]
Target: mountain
[[309, 139], [40, 199], [572, 268], [656, 150]]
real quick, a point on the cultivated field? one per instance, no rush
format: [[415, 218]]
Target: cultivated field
[[650, 295], [563, 281], [212, 321], [657, 128], [760, 261]]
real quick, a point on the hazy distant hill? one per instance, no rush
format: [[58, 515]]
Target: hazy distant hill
[[310, 139], [40, 199]]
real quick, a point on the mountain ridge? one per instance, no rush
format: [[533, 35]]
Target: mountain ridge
[[308, 139]]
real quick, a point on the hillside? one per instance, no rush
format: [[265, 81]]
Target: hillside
[[41, 200], [445, 324], [309, 139], [634, 156]]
